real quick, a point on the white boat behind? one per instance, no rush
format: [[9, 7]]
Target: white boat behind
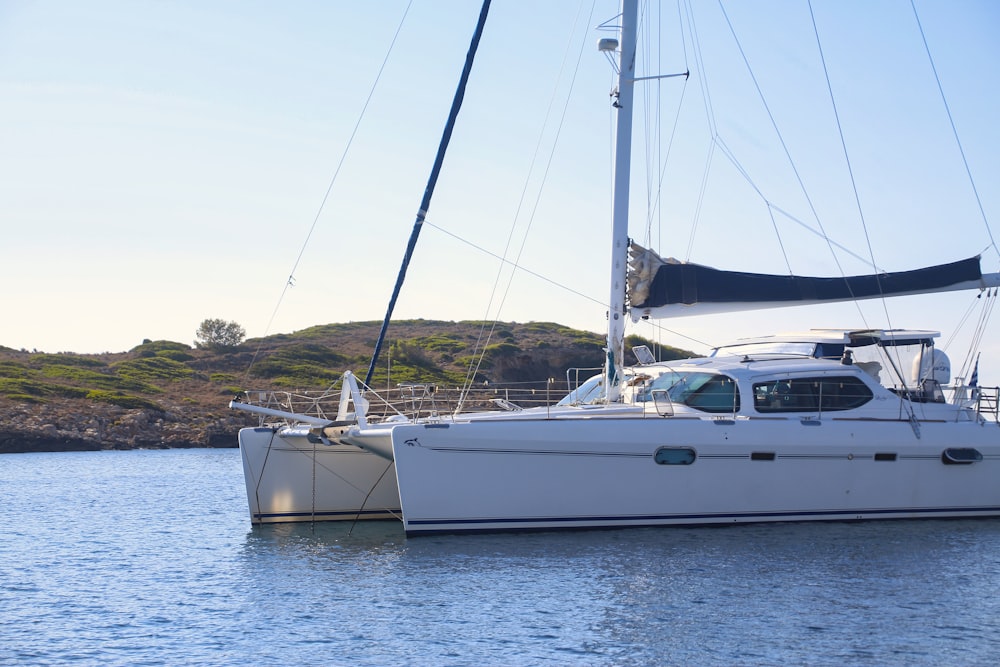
[[293, 471]]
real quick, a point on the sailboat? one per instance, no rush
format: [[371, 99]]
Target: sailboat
[[824, 424]]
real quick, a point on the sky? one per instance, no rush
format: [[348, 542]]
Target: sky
[[166, 162]]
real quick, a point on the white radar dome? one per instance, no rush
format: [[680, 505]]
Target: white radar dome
[[932, 365]]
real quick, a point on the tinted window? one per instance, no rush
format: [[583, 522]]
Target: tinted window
[[821, 394], [708, 392]]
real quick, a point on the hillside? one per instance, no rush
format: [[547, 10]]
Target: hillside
[[165, 394]]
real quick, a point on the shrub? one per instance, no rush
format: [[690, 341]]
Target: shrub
[[216, 334]]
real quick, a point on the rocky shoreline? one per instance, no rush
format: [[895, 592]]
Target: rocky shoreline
[[66, 425]]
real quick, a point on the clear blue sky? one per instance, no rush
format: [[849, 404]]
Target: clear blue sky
[[162, 162]]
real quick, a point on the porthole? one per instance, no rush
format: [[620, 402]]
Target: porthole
[[960, 456], [674, 456]]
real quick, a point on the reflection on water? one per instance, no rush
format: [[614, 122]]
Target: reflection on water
[[128, 557], [906, 592]]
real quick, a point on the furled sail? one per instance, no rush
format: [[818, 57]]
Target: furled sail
[[666, 287]]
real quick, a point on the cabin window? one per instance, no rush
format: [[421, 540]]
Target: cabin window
[[805, 394], [659, 386], [590, 391], [708, 392]]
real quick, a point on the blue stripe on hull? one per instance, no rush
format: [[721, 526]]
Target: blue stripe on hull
[[444, 525], [338, 514]]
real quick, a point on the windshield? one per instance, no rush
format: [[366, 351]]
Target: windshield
[[708, 392], [768, 348], [590, 391]]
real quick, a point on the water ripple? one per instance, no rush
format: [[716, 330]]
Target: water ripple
[[147, 558]]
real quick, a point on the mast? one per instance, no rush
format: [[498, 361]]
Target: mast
[[619, 217], [425, 202]]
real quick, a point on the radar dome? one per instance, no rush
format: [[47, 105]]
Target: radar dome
[[933, 364]]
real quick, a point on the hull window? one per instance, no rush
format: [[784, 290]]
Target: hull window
[[674, 456], [960, 455]]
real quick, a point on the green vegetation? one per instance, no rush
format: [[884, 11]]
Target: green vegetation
[[163, 348], [66, 360], [97, 379], [440, 343], [122, 400], [499, 350], [410, 353], [151, 369], [162, 373], [38, 390], [301, 365], [12, 369]]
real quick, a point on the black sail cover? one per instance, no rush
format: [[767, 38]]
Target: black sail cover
[[655, 282]]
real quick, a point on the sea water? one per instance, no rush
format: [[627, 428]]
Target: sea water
[[149, 558]]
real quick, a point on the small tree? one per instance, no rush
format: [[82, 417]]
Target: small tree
[[216, 334]]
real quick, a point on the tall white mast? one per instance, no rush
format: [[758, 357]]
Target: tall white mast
[[619, 216]]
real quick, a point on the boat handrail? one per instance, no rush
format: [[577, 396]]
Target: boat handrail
[[409, 400], [988, 403]]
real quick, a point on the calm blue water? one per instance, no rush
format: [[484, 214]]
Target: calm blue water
[[148, 558]]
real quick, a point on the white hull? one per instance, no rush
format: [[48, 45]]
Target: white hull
[[289, 478], [548, 474]]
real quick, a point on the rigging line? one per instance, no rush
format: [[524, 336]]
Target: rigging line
[[777, 131], [656, 161], [661, 158], [700, 64], [807, 227], [514, 265], [361, 510], [660, 329], [290, 282], [985, 314], [654, 210], [961, 322], [263, 466], [652, 170], [476, 358], [980, 325], [701, 199], [954, 129], [850, 172], [728, 153], [977, 336], [332, 469], [646, 101], [313, 518], [425, 201], [657, 203], [652, 127], [777, 234], [538, 196]]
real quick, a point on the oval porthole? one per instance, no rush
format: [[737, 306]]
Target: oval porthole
[[960, 456], [674, 456]]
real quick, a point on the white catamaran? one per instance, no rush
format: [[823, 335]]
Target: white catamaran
[[828, 424]]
